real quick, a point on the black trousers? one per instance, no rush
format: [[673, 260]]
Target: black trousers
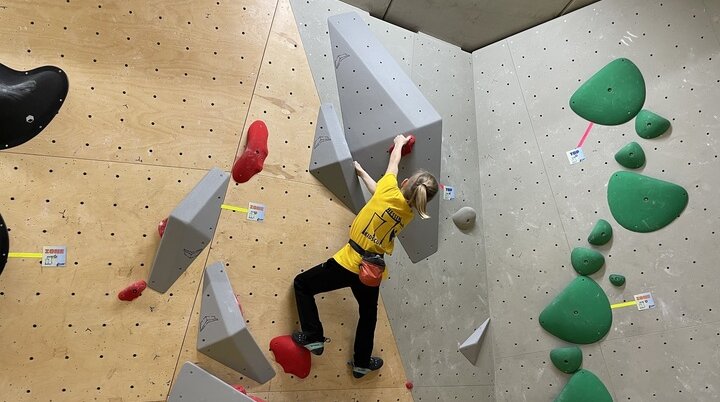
[[331, 276]]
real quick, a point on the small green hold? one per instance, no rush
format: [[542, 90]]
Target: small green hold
[[586, 387], [580, 314], [649, 125], [644, 204], [586, 261], [614, 95], [601, 233], [617, 280], [567, 360], [631, 156]]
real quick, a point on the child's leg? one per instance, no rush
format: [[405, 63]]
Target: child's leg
[[367, 298], [319, 279]]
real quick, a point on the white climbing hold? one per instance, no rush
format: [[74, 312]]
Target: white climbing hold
[[464, 218]]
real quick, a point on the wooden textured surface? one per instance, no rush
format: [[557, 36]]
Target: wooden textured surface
[[129, 143]]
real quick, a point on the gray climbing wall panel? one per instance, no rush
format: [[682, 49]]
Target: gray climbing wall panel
[[436, 303], [222, 333], [197, 385], [537, 207], [331, 162], [190, 227], [378, 101]]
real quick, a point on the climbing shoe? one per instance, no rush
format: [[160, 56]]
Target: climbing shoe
[[315, 347], [359, 372]]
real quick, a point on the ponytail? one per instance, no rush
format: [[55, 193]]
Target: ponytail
[[420, 189]]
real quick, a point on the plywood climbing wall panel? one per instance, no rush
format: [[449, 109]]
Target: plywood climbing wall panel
[[304, 226], [68, 337], [150, 82]]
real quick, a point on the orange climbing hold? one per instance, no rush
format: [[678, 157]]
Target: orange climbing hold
[[133, 291], [251, 161], [293, 358]]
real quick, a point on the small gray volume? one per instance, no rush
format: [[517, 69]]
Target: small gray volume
[[190, 227], [197, 385], [331, 162], [222, 333], [471, 347], [464, 218]]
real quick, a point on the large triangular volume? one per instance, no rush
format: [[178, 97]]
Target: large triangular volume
[[222, 333], [191, 226], [378, 102], [197, 385], [471, 347], [331, 162]]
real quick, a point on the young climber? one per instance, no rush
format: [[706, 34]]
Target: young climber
[[374, 229]]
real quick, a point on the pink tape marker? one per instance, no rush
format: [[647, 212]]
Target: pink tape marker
[[584, 137]]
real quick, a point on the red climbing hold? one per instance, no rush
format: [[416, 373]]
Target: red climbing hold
[[409, 384], [407, 148], [294, 359], [251, 161], [242, 389], [133, 291], [161, 227]]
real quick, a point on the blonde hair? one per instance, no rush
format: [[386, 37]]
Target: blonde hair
[[419, 190]]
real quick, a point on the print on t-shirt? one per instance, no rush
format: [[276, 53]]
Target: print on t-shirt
[[383, 228]]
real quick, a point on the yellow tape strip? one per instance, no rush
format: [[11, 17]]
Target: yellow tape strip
[[233, 208], [25, 255], [626, 304]]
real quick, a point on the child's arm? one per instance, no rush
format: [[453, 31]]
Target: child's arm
[[369, 182], [396, 154]]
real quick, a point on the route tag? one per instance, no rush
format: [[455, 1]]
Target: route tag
[[644, 301], [448, 193], [54, 256], [256, 212], [575, 155]]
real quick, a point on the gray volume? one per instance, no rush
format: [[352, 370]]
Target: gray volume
[[222, 333], [197, 385], [331, 162], [378, 102], [190, 227]]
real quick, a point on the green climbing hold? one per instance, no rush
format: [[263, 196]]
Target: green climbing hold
[[601, 233], [586, 261], [614, 95], [617, 280], [567, 360], [579, 314], [584, 386], [648, 125], [631, 156], [644, 204]]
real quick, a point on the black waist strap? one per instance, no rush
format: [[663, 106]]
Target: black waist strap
[[359, 249]]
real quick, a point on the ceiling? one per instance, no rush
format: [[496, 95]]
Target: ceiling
[[470, 24]]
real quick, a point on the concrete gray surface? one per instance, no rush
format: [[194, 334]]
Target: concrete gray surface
[[538, 207]]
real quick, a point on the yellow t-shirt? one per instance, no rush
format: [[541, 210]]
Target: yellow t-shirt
[[377, 224]]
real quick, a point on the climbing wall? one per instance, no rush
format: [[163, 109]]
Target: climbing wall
[[537, 207], [437, 303], [159, 94]]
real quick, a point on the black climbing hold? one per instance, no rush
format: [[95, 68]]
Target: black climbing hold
[[28, 102], [4, 244]]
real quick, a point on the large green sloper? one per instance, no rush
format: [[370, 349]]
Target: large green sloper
[[584, 386], [579, 314], [614, 95], [644, 204]]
